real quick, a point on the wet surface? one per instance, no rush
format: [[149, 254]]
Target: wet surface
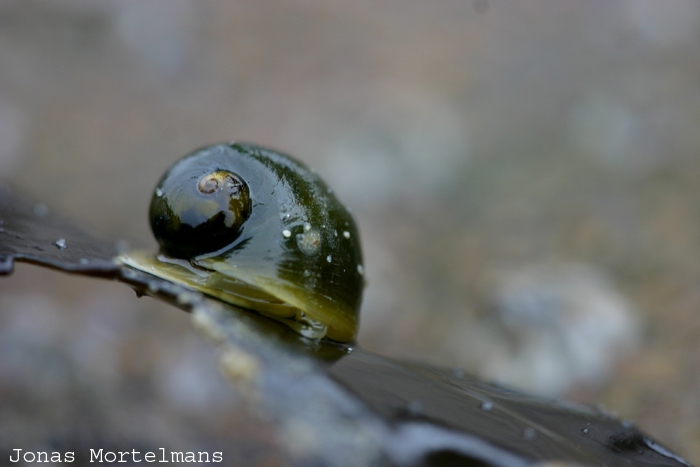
[[351, 403], [422, 397], [30, 232]]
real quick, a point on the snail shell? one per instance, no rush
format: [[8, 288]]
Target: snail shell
[[258, 229]]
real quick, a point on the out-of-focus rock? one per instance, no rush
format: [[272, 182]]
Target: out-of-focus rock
[[565, 325]]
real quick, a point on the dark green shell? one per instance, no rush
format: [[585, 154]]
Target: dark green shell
[[263, 232]]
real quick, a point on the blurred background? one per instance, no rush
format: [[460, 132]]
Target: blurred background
[[525, 177]]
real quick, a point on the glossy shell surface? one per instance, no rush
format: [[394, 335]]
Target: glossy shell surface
[[267, 234]]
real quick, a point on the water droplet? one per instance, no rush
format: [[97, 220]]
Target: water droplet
[[346, 234], [529, 433], [350, 349], [360, 269], [585, 430], [159, 192], [335, 233], [40, 210], [309, 241], [61, 244], [286, 233], [487, 406], [328, 258], [307, 226], [307, 273]]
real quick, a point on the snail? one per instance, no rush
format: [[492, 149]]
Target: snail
[[259, 230]]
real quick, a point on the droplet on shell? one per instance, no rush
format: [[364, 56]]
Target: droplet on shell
[[309, 241]]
